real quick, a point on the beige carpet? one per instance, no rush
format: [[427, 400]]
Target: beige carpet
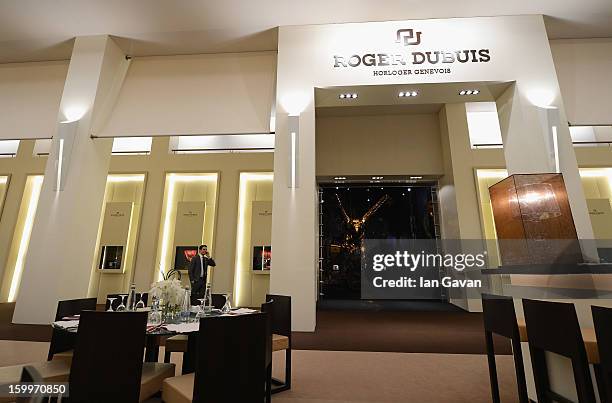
[[356, 377]]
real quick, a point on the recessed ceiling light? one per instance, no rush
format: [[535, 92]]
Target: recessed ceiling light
[[469, 92], [348, 95], [408, 93], [416, 177], [409, 189]]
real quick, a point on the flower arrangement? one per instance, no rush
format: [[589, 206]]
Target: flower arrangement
[[169, 291]]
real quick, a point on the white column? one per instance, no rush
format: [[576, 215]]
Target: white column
[[63, 240], [294, 221], [527, 146]]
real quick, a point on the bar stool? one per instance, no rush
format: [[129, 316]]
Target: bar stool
[[554, 327], [602, 319], [500, 318]]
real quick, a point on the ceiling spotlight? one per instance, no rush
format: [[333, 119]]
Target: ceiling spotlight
[[409, 189], [408, 94], [475, 92], [469, 92], [416, 177], [348, 95], [377, 177]]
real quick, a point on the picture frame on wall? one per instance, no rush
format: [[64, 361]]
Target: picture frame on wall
[[111, 258], [183, 256], [262, 257]]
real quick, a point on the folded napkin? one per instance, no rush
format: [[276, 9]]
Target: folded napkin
[[183, 327], [243, 311], [65, 324]]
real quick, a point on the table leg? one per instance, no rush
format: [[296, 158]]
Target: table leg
[[152, 349]]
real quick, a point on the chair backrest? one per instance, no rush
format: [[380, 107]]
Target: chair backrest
[[281, 315], [30, 374], [218, 300], [554, 327], [73, 307], [499, 316], [61, 340], [602, 319], [231, 363], [108, 358]]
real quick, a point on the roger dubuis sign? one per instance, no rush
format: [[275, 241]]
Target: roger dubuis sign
[[411, 58]]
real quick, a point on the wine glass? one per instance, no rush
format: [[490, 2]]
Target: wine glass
[[110, 303], [228, 304], [140, 304], [121, 306]]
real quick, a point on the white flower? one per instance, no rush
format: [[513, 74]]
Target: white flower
[[170, 291]]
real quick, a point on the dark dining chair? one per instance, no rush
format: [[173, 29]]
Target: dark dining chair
[[499, 318], [280, 322], [602, 319], [62, 341], [180, 342], [268, 308], [230, 365], [30, 374], [554, 327], [108, 360]]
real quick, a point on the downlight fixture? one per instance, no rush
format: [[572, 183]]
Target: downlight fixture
[[403, 94], [348, 95], [469, 92]]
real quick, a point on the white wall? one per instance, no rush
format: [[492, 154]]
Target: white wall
[[378, 144], [30, 95], [195, 94], [584, 68]]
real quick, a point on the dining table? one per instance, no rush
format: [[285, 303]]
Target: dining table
[[157, 333]]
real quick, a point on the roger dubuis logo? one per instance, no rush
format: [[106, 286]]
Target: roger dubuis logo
[[408, 37]]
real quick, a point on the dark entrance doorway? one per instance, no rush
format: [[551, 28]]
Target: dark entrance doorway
[[351, 213]]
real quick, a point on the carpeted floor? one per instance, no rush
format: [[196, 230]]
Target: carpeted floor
[[358, 377], [434, 331]]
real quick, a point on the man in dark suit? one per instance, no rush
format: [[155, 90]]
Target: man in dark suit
[[198, 270]]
